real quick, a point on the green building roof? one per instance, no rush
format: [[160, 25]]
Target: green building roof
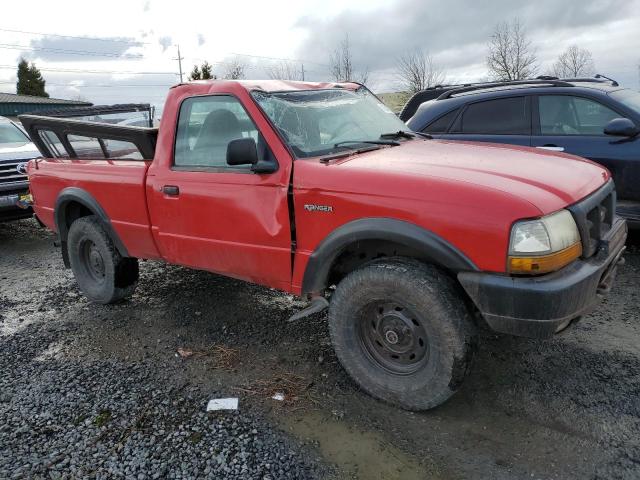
[[12, 105]]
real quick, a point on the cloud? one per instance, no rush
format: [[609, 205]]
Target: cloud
[[166, 42], [456, 35], [106, 89], [60, 49]]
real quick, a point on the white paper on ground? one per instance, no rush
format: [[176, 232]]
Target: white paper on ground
[[278, 396], [222, 404]]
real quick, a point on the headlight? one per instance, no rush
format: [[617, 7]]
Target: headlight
[[544, 245]]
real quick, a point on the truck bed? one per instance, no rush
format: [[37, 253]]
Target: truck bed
[[108, 161], [103, 180]]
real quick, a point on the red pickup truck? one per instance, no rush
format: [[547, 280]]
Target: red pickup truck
[[319, 190]]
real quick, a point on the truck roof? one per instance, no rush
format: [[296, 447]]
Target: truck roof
[[272, 85]]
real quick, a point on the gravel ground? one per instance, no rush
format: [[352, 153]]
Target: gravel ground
[[82, 418], [100, 392]]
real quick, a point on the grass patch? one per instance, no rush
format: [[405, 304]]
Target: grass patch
[[102, 418]]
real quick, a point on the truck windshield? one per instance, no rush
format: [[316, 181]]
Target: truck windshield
[[10, 134], [627, 97], [319, 122]]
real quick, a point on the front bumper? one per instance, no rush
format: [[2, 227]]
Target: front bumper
[[9, 208], [538, 307]]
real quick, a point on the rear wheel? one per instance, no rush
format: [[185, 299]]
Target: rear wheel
[[402, 331], [103, 275]]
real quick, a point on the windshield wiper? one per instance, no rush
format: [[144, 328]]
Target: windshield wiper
[[371, 148], [398, 134], [405, 134], [370, 142]]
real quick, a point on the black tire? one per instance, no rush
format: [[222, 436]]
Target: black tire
[[434, 335], [103, 275]]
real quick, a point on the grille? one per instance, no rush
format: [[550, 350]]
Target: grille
[[10, 177], [594, 216]]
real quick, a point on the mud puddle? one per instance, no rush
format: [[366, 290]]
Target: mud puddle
[[357, 453]]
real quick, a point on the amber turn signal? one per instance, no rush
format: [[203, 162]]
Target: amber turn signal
[[536, 265]]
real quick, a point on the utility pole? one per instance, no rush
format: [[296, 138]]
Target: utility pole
[[302, 70], [179, 59]]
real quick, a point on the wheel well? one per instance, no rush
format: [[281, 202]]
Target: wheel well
[[359, 253], [355, 255], [73, 211]]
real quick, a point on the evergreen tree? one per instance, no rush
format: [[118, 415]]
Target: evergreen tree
[[30, 81], [206, 72], [195, 73], [202, 73]]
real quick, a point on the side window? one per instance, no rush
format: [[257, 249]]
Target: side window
[[442, 124], [206, 125], [119, 149], [503, 116], [86, 147], [567, 115], [53, 143], [90, 148]]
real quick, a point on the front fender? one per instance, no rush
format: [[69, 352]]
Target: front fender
[[433, 248]]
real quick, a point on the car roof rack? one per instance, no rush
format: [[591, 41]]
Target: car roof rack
[[598, 78], [425, 95], [481, 86]]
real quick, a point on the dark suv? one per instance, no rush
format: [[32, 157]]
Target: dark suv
[[590, 117]]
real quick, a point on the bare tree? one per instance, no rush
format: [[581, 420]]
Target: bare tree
[[417, 71], [79, 98], [574, 62], [511, 55], [342, 67], [235, 70], [285, 70]]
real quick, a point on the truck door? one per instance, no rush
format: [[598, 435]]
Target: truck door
[[212, 216]]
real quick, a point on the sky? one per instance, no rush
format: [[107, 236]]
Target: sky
[[125, 51]]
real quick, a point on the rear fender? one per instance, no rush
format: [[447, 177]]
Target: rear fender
[[79, 196]]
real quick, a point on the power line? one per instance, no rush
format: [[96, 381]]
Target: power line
[[97, 85], [137, 43], [71, 70], [114, 40], [280, 58], [69, 52]]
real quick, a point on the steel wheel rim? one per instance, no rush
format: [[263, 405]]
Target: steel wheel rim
[[93, 261], [393, 337]]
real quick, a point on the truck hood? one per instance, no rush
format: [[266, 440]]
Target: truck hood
[[18, 151], [548, 180]]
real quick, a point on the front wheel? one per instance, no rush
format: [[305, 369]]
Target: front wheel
[[402, 331], [103, 275]]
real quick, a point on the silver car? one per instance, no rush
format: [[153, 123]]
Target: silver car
[[16, 150]]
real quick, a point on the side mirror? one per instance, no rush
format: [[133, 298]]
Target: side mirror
[[242, 151], [621, 127]]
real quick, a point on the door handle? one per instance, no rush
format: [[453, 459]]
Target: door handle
[[552, 148], [172, 190]]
